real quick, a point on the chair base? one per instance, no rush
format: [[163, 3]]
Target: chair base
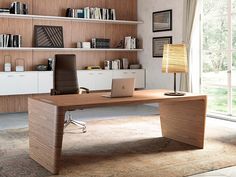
[[80, 124]]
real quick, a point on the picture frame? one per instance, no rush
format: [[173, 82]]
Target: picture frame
[[162, 21], [158, 45], [48, 36]]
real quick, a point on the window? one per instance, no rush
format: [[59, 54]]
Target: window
[[218, 55]]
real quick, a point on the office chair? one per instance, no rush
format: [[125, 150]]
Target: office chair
[[65, 82]]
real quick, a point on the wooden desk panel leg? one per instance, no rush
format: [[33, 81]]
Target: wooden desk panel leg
[[46, 124], [184, 121]]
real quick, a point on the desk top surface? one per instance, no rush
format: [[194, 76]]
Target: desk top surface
[[97, 99]]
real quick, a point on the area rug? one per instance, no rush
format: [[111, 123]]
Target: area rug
[[123, 147]]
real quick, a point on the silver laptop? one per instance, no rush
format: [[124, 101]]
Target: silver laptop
[[122, 88]]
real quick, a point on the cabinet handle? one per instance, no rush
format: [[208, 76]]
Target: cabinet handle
[[125, 73], [90, 73], [100, 73], [133, 72], [10, 76], [22, 75]]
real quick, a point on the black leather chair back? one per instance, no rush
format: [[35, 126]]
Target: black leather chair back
[[65, 75]]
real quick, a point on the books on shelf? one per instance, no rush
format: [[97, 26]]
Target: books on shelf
[[4, 11], [10, 40], [19, 8], [100, 43], [92, 13], [130, 42]]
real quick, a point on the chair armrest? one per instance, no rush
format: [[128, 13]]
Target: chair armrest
[[85, 89]]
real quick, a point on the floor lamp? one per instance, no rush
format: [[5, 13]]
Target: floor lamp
[[174, 61]]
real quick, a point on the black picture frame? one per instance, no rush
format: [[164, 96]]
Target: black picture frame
[[48, 36], [158, 44], [162, 21]]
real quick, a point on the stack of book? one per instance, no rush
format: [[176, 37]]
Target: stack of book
[[100, 43], [19, 8], [130, 42], [10, 40], [4, 11], [92, 13]]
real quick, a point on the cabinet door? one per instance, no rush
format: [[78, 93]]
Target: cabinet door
[[85, 79], [18, 83], [102, 80], [45, 81], [95, 80], [138, 74]]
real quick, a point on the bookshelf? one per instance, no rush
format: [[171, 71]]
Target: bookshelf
[[69, 49], [45, 12], [82, 20]]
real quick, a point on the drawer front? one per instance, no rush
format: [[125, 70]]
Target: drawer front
[[102, 80], [139, 76], [19, 83], [85, 79], [95, 80], [45, 81]]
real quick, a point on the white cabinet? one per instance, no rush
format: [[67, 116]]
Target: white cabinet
[[45, 81], [95, 80], [101, 80], [138, 74], [18, 83], [34, 82]]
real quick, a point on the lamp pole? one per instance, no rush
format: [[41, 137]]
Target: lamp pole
[[175, 83]]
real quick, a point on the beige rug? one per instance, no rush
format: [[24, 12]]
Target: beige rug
[[124, 147]]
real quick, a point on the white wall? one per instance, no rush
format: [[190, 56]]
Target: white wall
[[155, 78]]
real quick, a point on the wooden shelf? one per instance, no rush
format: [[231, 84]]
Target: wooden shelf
[[68, 49], [83, 20]]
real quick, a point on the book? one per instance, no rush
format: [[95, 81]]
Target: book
[[10, 42], [113, 14], [110, 14], [87, 12], [92, 13], [4, 11], [5, 40], [1, 40], [80, 13], [128, 42], [104, 14]]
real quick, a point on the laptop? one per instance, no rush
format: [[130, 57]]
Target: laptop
[[121, 88]]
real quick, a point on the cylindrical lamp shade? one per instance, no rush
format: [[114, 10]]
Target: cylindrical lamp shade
[[174, 59]]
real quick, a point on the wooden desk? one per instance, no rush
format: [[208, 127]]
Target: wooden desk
[[182, 119]]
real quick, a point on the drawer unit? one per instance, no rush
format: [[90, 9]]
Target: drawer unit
[[18, 83]]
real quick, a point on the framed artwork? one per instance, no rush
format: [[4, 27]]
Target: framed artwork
[[162, 21], [48, 36], [158, 45]]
